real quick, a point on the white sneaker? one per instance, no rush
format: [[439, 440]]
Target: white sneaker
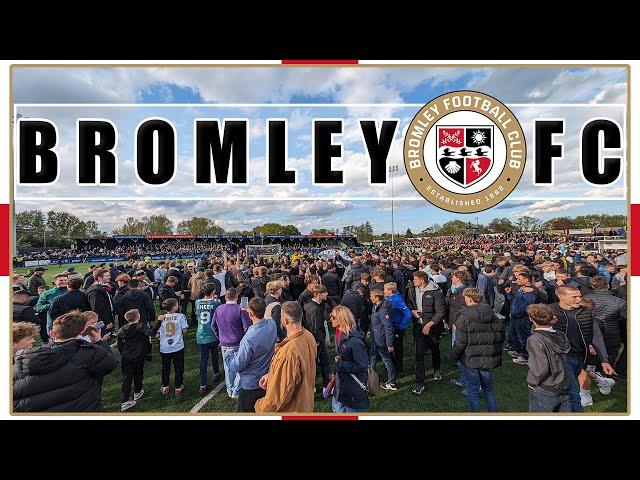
[[138, 396], [127, 405], [585, 398], [605, 383], [520, 360]]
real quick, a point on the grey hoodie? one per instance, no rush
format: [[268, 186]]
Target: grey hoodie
[[547, 355]]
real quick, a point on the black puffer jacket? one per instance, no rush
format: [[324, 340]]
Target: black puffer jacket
[[331, 281], [133, 340], [259, 285], [61, 377], [433, 307], [24, 313], [479, 338], [610, 313], [353, 360], [101, 302]]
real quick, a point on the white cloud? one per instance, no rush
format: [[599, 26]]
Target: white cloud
[[548, 206]]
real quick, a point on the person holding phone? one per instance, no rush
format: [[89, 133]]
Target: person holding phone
[[81, 358]]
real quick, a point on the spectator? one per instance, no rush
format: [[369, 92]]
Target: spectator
[[36, 280], [400, 318], [172, 328], [65, 375], [315, 313], [547, 379], [426, 302], [289, 383], [18, 283], [132, 340], [521, 295], [44, 301], [273, 302], [168, 289], [23, 335], [331, 281], [579, 324], [205, 337], [307, 295], [73, 299], [349, 392], [478, 347], [230, 323], [254, 354], [100, 299], [21, 311], [382, 338]]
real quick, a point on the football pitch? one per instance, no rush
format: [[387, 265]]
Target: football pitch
[[438, 397]]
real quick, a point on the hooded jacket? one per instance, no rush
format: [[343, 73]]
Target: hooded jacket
[[381, 325], [433, 307], [133, 341], [400, 313], [136, 299], [61, 377], [479, 338], [547, 355], [353, 360]]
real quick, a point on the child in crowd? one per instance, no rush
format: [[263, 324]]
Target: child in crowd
[[133, 338], [171, 333]]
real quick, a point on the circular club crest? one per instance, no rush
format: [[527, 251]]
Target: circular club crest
[[465, 151]]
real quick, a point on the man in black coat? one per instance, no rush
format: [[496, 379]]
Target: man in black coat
[[36, 280], [100, 299], [65, 375], [21, 311], [74, 299], [315, 315], [426, 302], [331, 281], [136, 298], [354, 300], [478, 348]]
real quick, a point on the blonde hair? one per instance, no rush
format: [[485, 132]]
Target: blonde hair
[[391, 286], [22, 330], [273, 286], [346, 322]]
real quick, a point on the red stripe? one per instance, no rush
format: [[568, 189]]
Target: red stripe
[[322, 417], [4, 239], [634, 241], [319, 62]]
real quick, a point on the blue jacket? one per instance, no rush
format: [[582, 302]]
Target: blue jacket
[[485, 285], [381, 325], [400, 313], [519, 303], [255, 353], [353, 360]]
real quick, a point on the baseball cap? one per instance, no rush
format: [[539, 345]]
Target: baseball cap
[[71, 269], [61, 274]]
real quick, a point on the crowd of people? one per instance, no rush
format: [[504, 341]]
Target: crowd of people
[[556, 310]]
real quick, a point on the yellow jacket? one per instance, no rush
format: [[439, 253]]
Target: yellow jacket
[[292, 376]]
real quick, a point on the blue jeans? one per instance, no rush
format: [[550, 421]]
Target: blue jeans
[[542, 401], [386, 359], [323, 360], [338, 407], [207, 349], [232, 379], [572, 368], [513, 335], [523, 328], [474, 379]]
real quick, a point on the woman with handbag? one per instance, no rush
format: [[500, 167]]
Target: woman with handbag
[[350, 387]]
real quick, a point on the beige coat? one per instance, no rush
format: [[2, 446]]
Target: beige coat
[[292, 376]]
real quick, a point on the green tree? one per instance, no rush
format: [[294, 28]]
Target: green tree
[[558, 223], [32, 220], [408, 233], [528, 224], [157, 225], [321, 231], [132, 226], [277, 229], [199, 226], [62, 223], [501, 225], [454, 227]]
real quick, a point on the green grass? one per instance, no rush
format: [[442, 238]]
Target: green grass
[[438, 397]]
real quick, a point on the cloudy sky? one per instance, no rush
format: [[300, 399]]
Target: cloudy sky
[[601, 91]]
